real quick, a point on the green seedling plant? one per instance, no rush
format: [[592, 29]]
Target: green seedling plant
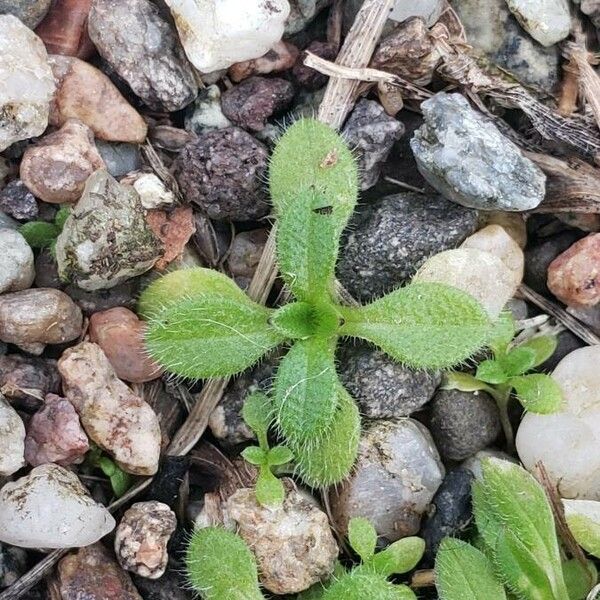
[[258, 414], [120, 481], [507, 374], [41, 234], [221, 566], [201, 325], [517, 552]]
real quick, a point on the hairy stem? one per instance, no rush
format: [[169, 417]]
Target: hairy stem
[[502, 396]]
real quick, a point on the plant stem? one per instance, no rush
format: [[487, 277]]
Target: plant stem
[[501, 395]]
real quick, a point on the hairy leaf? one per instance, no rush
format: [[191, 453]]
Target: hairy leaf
[[184, 284], [424, 325], [279, 455], [537, 392], [305, 390], [39, 234], [295, 321], [543, 347], [210, 335], [206, 555], [258, 414], [455, 380], [491, 371], [359, 584], [327, 460], [362, 537], [502, 333], [579, 578], [583, 519], [254, 455], [269, 490], [61, 216], [464, 573], [518, 361], [400, 557]]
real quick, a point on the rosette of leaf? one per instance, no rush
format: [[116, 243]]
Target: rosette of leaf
[[202, 325]]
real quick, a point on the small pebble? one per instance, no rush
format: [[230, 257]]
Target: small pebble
[[18, 202], [465, 157], [106, 239], [139, 44], [219, 33], [12, 440], [17, 269], [93, 574], [547, 21], [223, 173], [280, 57], [462, 423], [26, 82], [120, 158], [124, 294], [31, 12], [390, 239], [92, 386], [244, 255], [55, 435], [40, 315], [513, 224], [302, 12], [396, 475], [574, 276], [50, 508], [383, 388], [474, 464], [142, 536], [57, 167], [152, 191], [308, 78], [371, 133], [450, 513], [85, 93], [250, 103], [120, 334], [174, 229], [207, 114], [293, 543]]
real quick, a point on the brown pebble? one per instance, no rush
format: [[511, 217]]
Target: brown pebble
[[309, 78], [174, 229], [57, 167], [281, 57], [85, 93], [244, 254], [574, 275], [120, 334], [41, 315]]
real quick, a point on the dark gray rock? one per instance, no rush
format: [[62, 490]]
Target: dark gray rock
[[371, 133], [462, 423], [171, 586], [119, 158], [250, 103], [125, 294], [166, 484], [450, 512], [463, 155], [31, 12], [18, 202], [143, 49], [46, 271], [383, 388], [390, 239], [309, 78], [223, 172], [492, 30], [13, 564], [539, 255]]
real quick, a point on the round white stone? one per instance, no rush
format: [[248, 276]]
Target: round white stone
[[17, 270]]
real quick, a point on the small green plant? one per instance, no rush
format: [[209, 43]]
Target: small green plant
[[518, 552], [258, 414], [202, 325], [120, 481], [41, 234], [220, 566], [507, 371]]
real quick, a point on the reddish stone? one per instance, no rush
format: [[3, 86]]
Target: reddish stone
[[174, 229], [120, 334], [55, 435], [307, 77], [280, 57], [574, 275]]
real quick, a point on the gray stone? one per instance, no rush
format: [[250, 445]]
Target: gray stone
[[12, 439], [18, 202], [17, 270], [428, 10], [397, 472], [119, 158], [13, 564], [125, 294], [371, 133], [141, 47], [383, 388], [390, 239], [462, 423], [450, 513], [31, 12], [492, 30], [206, 114], [547, 21], [465, 157], [106, 239], [46, 271], [302, 12]]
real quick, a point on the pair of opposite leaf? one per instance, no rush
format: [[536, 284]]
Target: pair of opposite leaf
[[202, 325], [220, 566], [518, 552]]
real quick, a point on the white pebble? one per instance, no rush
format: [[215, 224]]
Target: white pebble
[[17, 270]]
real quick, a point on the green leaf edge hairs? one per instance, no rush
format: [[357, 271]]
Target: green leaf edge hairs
[[202, 325]]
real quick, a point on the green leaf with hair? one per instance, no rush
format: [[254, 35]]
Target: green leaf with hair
[[538, 393]]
